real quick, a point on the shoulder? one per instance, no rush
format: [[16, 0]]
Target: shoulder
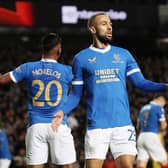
[[156, 107], [124, 54], [81, 53], [30, 63], [119, 49], [146, 107]]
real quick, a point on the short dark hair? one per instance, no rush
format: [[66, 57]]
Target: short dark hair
[[49, 41], [92, 18]]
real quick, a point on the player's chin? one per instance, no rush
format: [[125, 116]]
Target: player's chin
[[109, 38]]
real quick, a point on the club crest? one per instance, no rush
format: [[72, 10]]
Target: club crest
[[116, 57]]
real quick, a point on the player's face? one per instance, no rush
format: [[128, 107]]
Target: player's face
[[103, 27]]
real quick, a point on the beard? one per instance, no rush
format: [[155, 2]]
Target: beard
[[104, 39]]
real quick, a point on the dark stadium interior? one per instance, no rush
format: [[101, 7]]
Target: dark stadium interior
[[146, 38]]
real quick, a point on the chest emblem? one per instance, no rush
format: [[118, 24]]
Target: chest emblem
[[117, 58], [92, 60]]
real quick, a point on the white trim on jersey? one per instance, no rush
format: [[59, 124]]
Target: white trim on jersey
[[48, 60], [12, 77], [77, 82], [133, 71], [101, 50]]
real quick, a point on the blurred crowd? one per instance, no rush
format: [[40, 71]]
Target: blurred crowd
[[13, 98]]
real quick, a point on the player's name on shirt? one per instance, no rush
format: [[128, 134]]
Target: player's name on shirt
[[46, 72]]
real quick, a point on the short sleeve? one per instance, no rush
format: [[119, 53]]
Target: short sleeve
[[77, 72], [132, 66], [69, 74], [19, 73]]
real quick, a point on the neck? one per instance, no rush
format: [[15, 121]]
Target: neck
[[98, 44], [50, 56]]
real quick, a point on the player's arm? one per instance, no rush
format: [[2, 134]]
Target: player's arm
[[5, 78], [135, 75], [77, 87], [71, 103], [140, 82], [74, 96], [72, 100]]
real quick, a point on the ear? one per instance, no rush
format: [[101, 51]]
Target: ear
[[92, 30]]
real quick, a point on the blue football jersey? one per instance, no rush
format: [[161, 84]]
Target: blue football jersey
[[149, 117], [47, 83], [4, 146], [103, 73]]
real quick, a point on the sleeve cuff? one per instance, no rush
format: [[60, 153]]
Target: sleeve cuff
[[12, 77]]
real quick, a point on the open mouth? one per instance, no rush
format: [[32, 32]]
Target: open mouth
[[109, 34]]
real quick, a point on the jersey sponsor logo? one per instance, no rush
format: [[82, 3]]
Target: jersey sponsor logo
[[117, 58], [107, 75], [92, 60], [108, 80], [108, 71]]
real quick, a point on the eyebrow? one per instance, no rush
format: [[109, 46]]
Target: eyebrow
[[104, 21]]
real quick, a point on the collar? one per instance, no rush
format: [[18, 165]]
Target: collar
[[101, 50], [48, 60], [152, 102]]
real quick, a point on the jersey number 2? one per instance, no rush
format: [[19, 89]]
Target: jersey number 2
[[132, 136]]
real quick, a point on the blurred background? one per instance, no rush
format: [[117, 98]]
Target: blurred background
[[141, 26]]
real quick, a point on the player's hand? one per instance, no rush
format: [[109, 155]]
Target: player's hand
[[57, 120]]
